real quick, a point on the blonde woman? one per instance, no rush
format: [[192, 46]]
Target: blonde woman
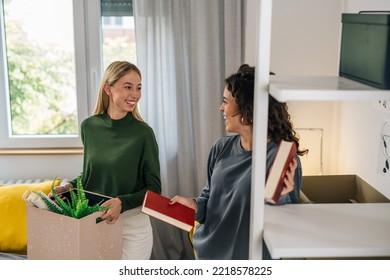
[[121, 156]]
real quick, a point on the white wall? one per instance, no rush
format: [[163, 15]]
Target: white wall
[[40, 166], [305, 41]]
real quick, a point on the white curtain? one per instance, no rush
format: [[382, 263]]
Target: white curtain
[[185, 49]]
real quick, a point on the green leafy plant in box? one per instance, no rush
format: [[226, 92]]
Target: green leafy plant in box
[[78, 206]]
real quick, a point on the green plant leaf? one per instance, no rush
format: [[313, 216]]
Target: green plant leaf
[[78, 206]]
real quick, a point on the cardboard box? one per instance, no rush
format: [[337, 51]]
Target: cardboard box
[[365, 48], [340, 189], [51, 236]]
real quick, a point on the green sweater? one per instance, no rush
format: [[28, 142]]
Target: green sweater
[[120, 159]]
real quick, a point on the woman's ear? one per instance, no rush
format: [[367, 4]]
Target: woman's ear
[[107, 89]]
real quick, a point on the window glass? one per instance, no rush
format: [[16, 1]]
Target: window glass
[[118, 31], [47, 87], [40, 60]]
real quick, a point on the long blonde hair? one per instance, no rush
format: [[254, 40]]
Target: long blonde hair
[[114, 72]]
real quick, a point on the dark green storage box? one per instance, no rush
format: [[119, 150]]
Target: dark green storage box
[[365, 48]]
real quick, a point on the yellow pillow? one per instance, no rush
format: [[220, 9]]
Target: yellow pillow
[[13, 224], [191, 235]]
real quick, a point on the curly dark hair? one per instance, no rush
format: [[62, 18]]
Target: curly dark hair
[[241, 85]]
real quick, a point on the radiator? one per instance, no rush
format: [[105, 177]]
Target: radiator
[[25, 181]]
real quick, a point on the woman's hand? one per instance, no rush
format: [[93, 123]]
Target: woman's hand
[[61, 189], [289, 178], [112, 214], [185, 201]]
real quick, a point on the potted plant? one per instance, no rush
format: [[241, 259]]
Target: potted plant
[[73, 203]]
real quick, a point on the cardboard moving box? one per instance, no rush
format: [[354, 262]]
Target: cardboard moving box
[[340, 189], [52, 236]]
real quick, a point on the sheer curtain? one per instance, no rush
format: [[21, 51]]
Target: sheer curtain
[[185, 49]]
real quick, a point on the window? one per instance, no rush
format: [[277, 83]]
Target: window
[[112, 22], [118, 32], [41, 77], [51, 58]]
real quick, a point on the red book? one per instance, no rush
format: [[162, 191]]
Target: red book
[[177, 214], [275, 180]]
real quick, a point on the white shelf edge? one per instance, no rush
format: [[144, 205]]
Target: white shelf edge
[[322, 88]]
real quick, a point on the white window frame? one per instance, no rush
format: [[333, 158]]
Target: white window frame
[[88, 63]]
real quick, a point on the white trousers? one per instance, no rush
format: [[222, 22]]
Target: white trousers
[[137, 235]]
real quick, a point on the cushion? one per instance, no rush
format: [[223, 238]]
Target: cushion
[[13, 224], [191, 233]]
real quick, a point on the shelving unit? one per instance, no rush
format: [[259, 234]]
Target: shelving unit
[[286, 88], [260, 116], [312, 88]]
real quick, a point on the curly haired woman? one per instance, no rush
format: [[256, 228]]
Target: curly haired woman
[[223, 208]]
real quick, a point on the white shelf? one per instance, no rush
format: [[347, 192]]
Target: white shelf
[[328, 230], [289, 88]]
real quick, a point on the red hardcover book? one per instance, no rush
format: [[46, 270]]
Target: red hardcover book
[[176, 214], [275, 180]]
